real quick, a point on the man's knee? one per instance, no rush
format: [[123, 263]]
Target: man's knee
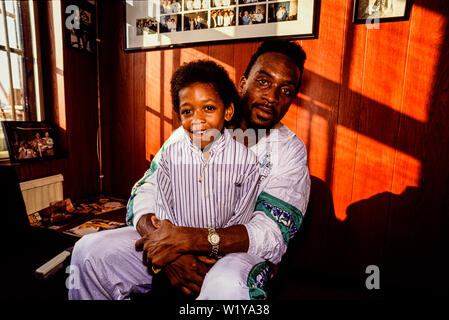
[[224, 284], [227, 280], [91, 247]]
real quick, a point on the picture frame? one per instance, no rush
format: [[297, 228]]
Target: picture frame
[[159, 24], [81, 29], [376, 11], [30, 140]]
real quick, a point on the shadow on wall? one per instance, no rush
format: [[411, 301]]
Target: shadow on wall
[[406, 235], [328, 257]]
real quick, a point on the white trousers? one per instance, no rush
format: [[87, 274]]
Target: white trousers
[[109, 268]]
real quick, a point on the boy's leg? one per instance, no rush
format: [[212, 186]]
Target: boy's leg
[[236, 276], [105, 265]]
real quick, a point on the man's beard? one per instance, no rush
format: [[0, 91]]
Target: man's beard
[[256, 123]]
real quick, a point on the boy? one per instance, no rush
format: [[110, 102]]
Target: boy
[[207, 179]]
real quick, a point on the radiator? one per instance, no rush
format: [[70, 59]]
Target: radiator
[[38, 193]]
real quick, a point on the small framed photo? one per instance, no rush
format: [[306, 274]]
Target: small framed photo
[[374, 11], [80, 16], [29, 140]]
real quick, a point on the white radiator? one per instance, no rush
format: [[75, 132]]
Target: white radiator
[[38, 193]]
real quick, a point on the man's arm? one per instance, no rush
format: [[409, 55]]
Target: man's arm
[[145, 226], [169, 242], [282, 203], [188, 271], [279, 212]]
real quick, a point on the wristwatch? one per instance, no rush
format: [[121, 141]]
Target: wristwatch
[[214, 240]]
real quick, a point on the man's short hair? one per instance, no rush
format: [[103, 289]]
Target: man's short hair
[[204, 71], [290, 49]]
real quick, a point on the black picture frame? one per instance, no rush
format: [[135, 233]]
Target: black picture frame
[[81, 36], [378, 11], [30, 140], [301, 22]]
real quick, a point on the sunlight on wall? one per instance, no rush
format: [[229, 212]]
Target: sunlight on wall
[[290, 117], [153, 104], [364, 167], [423, 57], [152, 135], [153, 80], [59, 63], [343, 169], [318, 146]]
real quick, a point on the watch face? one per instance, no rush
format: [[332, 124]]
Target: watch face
[[214, 238]]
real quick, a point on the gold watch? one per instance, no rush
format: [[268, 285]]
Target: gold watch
[[214, 240]]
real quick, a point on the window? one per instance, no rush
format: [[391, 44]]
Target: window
[[15, 102]]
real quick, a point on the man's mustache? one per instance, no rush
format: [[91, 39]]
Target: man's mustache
[[266, 105]]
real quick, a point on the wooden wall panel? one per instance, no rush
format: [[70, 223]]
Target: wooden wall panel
[[381, 103], [140, 85], [422, 58], [118, 122], [367, 112], [316, 122], [76, 120]]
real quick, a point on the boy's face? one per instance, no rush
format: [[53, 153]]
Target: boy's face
[[202, 112]]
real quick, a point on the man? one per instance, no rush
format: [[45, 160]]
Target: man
[[220, 19], [258, 16], [246, 19], [109, 267], [213, 19]]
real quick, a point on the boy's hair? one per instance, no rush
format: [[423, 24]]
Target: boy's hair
[[204, 71], [290, 49]]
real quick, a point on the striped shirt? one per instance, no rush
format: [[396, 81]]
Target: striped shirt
[[218, 192]]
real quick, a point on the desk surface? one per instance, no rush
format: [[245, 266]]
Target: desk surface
[[118, 215]]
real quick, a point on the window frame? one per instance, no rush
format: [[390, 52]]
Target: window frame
[[31, 73]]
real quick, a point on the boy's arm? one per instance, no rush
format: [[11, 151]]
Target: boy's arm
[[143, 195]]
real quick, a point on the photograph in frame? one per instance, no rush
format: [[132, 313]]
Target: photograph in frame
[[372, 11], [82, 36], [158, 24], [30, 140]]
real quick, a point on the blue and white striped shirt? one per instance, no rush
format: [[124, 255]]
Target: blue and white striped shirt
[[218, 192]]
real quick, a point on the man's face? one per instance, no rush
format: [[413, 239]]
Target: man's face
[[269, 89]]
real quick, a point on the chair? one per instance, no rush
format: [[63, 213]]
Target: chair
[[25, 248]]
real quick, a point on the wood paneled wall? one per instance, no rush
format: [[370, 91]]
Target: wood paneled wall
[[371, 111], [75, 114]]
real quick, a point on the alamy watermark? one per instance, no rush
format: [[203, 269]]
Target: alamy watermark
[[247, 137], [372, 22], [73, 20], [373, 280], [73, 280]]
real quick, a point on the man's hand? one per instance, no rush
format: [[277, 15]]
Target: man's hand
[[163, 245], [145, 225], [187, 272]]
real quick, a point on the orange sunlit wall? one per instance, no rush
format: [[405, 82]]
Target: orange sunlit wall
[[362, 110]]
